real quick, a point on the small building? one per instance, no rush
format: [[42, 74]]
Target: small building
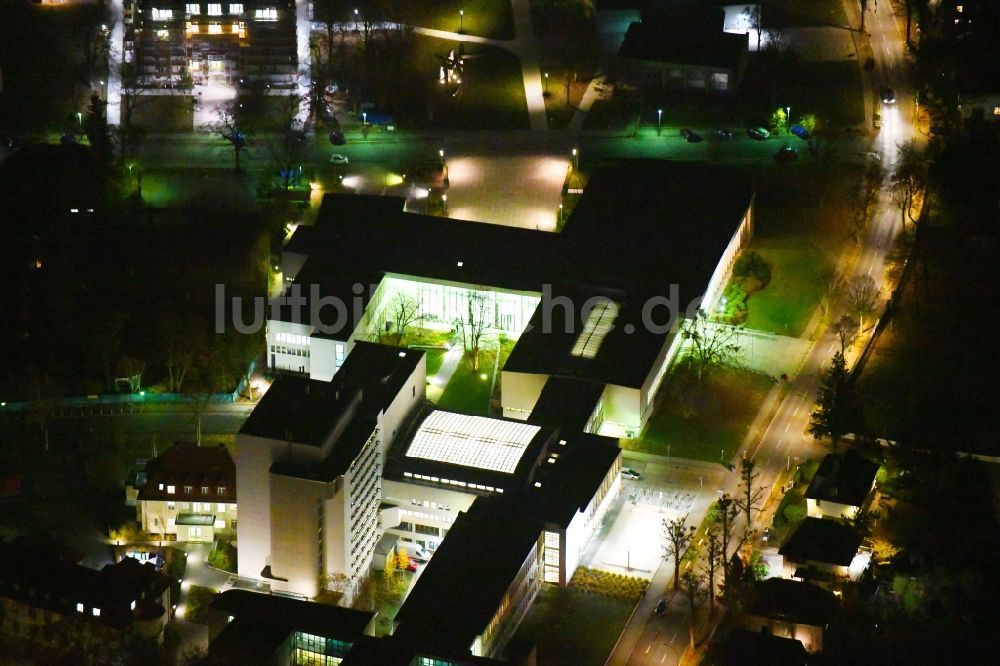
[[48, 600], [749, 648], [824, 551], [658, 54], [189, 493], [842, 486], [790, 609]]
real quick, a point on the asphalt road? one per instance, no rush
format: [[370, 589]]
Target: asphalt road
[[785, 443]]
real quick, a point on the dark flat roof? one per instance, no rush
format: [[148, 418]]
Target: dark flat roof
[[462, 586], [570, 483], [845, 478], [792, 600], [567, 403], [753, 648], [673, 44], [296, 615], [306, 411], [822, 540]]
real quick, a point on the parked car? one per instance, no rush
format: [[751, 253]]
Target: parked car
[[630, 473], [337, 158], [887, 95], [785, 155], [661, 607], [412, 567], [801, 132], [766, 535], [723, 134], [690, 135], [337, 138], [758, 133]]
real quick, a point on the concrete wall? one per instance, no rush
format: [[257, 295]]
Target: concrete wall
[[253, 457], [827, 509], [622, 409], [520, 392], [810, 637], [295, 523]]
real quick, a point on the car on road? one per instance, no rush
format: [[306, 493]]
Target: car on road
[[630, 473], [785, 155], [690, 135], [887, 95], [337, 158], [801, 132], [412, 567], [337, 138], [758, 133], [723, 134], [661, 607]]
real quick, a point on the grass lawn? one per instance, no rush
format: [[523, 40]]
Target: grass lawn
[[799, 273], [572, 627], [468, 391], [485, 18], [699, 422], [491, 95], [560, 110], [795, 13], [435, 357], [164, 113]]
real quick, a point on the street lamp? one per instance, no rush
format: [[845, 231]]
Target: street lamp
[[576, 159], [546, 91], [659, 118], [355, 20], [461, 20], [788, 118], [79, 119]]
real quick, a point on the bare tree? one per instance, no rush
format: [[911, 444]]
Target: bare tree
[[130, 369], [133, 93], [862, 298], [909, 180], [725, 514], [478, 321], [864, 197], [405, 312], [710, 343], [846, 330], [288, 147], [751, 496], [714, 558], [692, 587], [677, 536], [44, 395], [232, 127]]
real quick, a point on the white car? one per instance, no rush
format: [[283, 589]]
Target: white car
[[630, 473], [337, 158]]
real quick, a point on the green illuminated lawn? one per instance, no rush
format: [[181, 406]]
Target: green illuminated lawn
[[706, 422], [467, 391], [799, 273], [570, 626], [485, 18], [435, 357]]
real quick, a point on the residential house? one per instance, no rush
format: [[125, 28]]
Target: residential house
[[825, 551], [790, 609], [189, 493], [842, 486]]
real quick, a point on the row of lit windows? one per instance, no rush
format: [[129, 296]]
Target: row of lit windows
[[198, 507], [293, 338], [215, 8], [171, 489], [276, 349], [452, 482], [427, 516]]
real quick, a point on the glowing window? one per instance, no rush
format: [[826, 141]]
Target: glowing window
[[996, 110], [193, 8], [267, 14], [215, 28], [472, 441], [214, 9], [235, 7], [162, 14], [171, 490], [600, 321]]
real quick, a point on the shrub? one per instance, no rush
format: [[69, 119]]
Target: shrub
[[735, 308], [794, 513], [752, 271]]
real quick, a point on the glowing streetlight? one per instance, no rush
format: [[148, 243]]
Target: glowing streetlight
[[788, 118], [79, 119], [576, 159], [461, 20], [364, 117], [659, 118], [546, 91], [355, 20]]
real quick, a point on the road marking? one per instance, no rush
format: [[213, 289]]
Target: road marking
[[883, 37], [787, 426], [796, 410], [779, 443], [648, 647], [672, 638], [664, 658], [870, 269]]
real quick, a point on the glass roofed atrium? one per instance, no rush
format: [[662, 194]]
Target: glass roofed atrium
[[472, 441]]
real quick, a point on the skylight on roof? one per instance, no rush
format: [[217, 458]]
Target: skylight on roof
[[472, 441], [600, 321]]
